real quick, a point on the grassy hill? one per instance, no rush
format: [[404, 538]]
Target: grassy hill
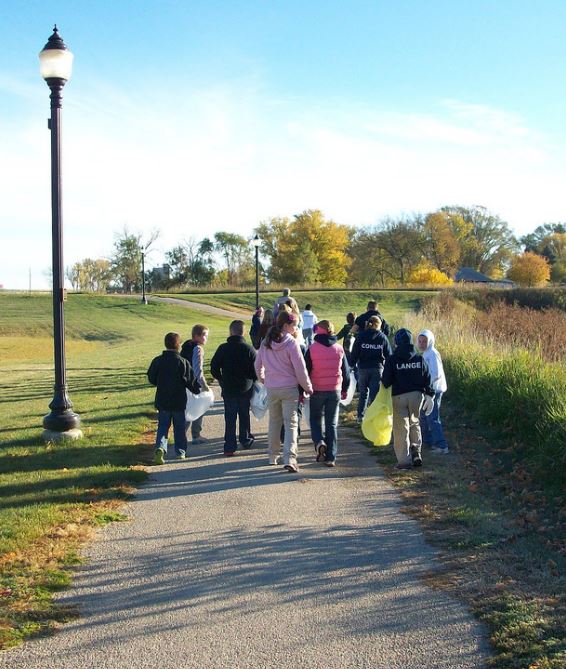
[[333, 304]]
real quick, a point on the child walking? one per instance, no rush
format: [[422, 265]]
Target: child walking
[[172, 375], [330, 378], [193, 351], [407, 372], [431, 426]]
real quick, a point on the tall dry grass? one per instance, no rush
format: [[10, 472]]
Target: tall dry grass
[[506, 366]]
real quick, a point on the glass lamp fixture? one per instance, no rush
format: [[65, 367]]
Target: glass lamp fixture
[[55, 59]]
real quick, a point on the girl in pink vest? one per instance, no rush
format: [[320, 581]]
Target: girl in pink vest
[[330, 378]]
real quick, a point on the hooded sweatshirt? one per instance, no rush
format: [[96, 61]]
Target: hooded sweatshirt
[[434, 362], [371, 349], [309, 319], [406, 371], [282, 365], [327, 365]]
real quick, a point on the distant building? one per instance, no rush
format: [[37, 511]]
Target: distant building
[[469, 275]]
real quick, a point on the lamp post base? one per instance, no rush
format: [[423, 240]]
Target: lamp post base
[[55, 436], [61, 420]]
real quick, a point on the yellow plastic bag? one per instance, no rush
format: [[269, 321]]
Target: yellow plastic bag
[[378, 419]]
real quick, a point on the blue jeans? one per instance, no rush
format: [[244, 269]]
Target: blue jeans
[[368, 383], [165, 417], [431, 427], [327, 401], [308, 336], [236, 408]]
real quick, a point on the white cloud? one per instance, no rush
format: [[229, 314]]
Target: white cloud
[[194, 162]]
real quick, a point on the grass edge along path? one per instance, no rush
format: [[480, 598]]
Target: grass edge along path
[[52, 496]]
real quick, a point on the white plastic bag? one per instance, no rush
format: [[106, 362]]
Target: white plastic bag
[[197, 405], [351, 391], [307, 411], [258, 401]]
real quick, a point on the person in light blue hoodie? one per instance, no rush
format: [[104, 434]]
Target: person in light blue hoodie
[[431, 425]]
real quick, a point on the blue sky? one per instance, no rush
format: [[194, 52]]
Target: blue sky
[[194, 117]]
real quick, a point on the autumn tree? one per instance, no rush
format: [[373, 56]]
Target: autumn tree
[[443, 233], [549, 240], [529, 269], [306, 250], [90, 275], [236, 253], [488, 244]]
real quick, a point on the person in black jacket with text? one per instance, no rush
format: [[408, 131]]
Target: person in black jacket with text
[[371, 350], [408, 375], [172, 375], [233, 366]]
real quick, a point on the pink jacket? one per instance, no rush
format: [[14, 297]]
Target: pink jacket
[[282, 365], [326, 372]]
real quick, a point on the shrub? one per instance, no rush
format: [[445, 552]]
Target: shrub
[[428, 276], [529, 269]]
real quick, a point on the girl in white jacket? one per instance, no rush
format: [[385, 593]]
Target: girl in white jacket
[[431, 426]]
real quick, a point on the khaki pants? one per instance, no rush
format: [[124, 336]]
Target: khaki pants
[[406, 426], [282, 404]]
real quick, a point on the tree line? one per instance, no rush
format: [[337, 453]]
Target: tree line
[[309, 249]]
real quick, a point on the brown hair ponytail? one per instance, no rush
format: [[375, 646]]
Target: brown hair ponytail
[[275, 333]]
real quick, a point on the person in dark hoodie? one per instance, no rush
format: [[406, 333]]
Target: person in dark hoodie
[[172, 375], [233, 366], [330, 378], [370, 351], [408, 375], [361, 321]]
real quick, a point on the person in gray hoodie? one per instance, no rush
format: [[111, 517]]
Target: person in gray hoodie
[[431, 425]]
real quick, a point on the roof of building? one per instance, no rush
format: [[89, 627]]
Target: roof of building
[[469, 274]]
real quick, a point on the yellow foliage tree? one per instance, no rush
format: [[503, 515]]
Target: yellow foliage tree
[[428, 276], [529, 269]]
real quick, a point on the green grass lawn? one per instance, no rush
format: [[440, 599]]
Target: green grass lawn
[[333, 305], [47, 489]]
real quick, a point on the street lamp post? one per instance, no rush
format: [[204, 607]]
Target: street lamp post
[[144, 298], [256, 242], [55, 66]]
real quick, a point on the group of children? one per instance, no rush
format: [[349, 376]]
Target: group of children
[[294, 362]]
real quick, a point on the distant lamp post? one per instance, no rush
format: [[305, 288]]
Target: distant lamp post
[[256, 242], [144, 298], [56, 63]]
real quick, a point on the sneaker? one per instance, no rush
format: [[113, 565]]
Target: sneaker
[[199, 440], [416, 457], [229, 454], [181, 456], [437, 449], [320, 449], [276, 461], [248, 444], [404, 466], [159, 456], [330, 463], [291, 468]]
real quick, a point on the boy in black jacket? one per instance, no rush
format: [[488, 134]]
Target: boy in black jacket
[[233, 366], [408, 374], [371, 350], [172, 375]]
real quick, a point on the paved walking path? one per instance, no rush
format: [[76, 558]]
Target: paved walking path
[[230, 563]]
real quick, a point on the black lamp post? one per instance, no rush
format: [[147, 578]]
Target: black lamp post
[[55, 65], [144, 298], [256, 242]]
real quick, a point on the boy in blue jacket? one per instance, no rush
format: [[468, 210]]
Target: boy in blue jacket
[[408, 374]]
